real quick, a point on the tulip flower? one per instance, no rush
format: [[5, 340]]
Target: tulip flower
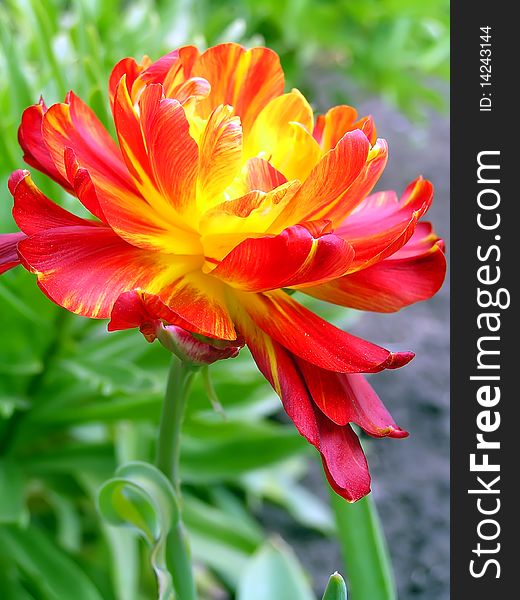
[[220, 198]]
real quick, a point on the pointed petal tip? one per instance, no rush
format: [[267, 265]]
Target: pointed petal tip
[[397, 360], [352, 496], [15, 178], [396, 433]]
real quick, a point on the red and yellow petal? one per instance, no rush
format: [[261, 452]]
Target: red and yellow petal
[[202, 301], [174, 154], [244, 79], [293, 258], [158, 150], [127, 67], [147, 218], [137, 308], [338, 183], [223, 227], [361, 187], [129, 131], [315, 340], [333, 125], [171, 70], [191, 302], [220, 156], [180, 73], [90, 266], [382, 224], [414, 273], [261, 175]]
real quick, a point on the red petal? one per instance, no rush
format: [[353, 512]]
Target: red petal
[[136, 308], [82, 184], [9, 250], [293, 258], [315, 340], [158, 70], [382, 224], [36, 152], [74, 125], [419, 268], [349, 398], [341, 453], [33, 211], [343, 460], [127, 67]]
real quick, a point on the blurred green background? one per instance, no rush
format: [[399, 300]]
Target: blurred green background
[[76, 402]]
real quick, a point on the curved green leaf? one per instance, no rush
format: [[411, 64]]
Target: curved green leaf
[[142, 498]]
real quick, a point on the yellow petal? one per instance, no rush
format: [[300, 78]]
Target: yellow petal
[[281, 134]]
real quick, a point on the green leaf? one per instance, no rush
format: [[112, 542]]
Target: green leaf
[[125, 561], [274, 572], [228, 450], [142, 498], [279, 484], [123, 548], [72, 458], [55, 573], [336, 589], [68, 522], [225, 560], [364, 549], [12, 496], [209, 521], [10, 585]]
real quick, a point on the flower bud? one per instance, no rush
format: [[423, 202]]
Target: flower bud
[[195, 349]]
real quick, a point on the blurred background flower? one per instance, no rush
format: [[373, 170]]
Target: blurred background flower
[[74, 403]]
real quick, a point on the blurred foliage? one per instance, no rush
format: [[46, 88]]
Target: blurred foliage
[[75, 402]]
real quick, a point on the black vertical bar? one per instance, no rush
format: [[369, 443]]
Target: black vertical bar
[[484, 122]]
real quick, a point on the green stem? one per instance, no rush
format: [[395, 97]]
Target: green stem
[[168, 454], [364, 549]]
